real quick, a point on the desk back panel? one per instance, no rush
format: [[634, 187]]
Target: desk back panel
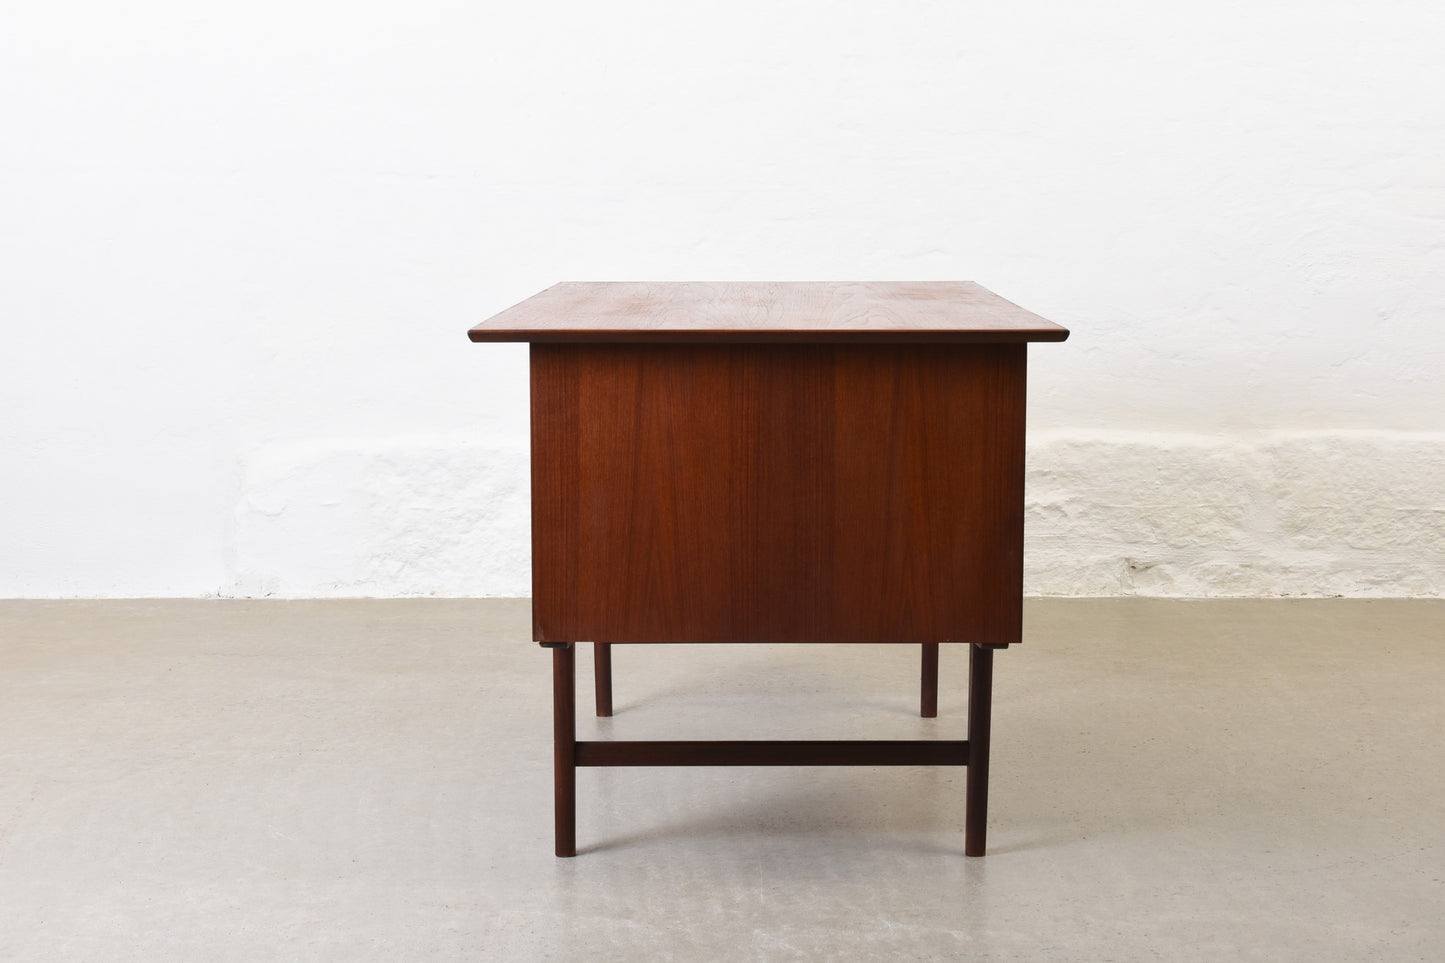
[[777, 492]]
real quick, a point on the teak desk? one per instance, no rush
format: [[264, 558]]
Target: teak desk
[[790, 462]]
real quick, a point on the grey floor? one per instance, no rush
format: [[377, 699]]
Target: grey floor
[[225, 780]]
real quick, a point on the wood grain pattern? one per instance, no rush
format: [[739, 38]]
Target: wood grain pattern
[[795, 492], [952, 311]]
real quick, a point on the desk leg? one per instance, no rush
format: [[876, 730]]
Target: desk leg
[[980, 708], [928, 702], [602, 676], [564, 746]]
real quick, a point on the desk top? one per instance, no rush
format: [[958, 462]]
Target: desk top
[[749, 311]]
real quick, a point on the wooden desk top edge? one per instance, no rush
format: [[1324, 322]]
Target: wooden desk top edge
[[761, 312]]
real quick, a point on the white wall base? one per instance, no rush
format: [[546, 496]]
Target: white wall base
[[1290, 513], [1109, 513]]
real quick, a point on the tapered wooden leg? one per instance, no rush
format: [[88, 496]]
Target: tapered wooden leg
[[602, 676], [564, 747], [980, 708], [929, 689]]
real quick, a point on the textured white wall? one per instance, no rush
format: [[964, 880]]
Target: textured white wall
[[239, 248]]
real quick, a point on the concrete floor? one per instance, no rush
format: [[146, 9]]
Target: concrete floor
[[229, 780]]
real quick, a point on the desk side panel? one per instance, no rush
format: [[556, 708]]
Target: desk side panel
[[750, 493], [555, 492]]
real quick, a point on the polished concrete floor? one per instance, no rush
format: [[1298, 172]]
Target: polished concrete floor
[[370, 780]]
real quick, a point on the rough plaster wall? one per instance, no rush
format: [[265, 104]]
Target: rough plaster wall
[[1297, 513], [239, 248], [1109, 513], [420, 516]]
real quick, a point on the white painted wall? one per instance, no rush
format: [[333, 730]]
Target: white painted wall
[[240, 246]]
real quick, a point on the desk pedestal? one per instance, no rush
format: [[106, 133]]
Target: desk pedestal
[[818, 492]]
